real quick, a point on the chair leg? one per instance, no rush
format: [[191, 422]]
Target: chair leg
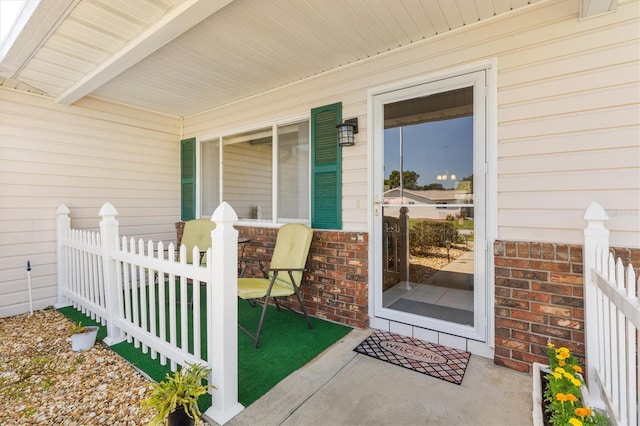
[[304, 311], [256, 338], [262, 315]]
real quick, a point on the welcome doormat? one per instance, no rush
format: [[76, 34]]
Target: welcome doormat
[[427, 358]]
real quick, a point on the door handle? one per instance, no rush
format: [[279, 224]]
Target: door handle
[[376, 203]]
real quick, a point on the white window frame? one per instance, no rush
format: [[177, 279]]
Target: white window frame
[[275, 221]]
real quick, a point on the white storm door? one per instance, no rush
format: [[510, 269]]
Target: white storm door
[[429, 213]]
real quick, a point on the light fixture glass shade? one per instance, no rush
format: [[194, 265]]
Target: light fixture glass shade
[[347, 132], [346, 135]]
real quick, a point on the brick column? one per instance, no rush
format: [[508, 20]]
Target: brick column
[[538, 296]]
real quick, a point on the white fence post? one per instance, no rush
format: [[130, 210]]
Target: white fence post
[[108, 236], [596, 237], [222, 263], [63, 227]]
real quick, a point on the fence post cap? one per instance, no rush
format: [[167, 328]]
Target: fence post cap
[[63, 209], [224, 213], [595, 212], [108, 210]]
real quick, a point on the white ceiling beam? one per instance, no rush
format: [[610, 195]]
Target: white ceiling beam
[[177, 21], [591, 8]]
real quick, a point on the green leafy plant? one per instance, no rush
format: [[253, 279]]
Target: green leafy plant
[[426, 235], [78, 328], [563, 393], [182, 389]]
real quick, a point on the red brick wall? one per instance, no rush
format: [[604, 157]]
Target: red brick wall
[[539, 296], [336, 284]]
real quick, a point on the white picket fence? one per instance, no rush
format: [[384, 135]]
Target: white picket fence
[[143, 295], [612, 319]]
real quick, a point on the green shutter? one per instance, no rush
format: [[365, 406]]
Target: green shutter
[[188, 178], [326, 168]]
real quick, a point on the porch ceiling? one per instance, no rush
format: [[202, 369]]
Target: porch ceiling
[[181, 57]]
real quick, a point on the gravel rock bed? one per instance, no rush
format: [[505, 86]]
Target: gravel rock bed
[[42, 381], [423, 267]]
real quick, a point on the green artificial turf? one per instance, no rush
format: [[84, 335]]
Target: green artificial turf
[[286, 344]]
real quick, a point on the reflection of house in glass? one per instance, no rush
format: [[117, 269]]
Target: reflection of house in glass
[[457, 203]]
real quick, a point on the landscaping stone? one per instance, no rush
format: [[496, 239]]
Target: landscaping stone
[[42, 381]]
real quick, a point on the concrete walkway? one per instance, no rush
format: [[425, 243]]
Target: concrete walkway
[[341, 387]]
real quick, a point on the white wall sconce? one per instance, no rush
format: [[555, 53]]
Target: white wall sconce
[[347, 131]]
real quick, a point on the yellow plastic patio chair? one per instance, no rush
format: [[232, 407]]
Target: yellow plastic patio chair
[[197, 232], [283, 276]]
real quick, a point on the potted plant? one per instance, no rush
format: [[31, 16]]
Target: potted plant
[[83, 337], [559, 393], [176, 397]]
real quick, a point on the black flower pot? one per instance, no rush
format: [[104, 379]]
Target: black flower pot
[[179, 418]]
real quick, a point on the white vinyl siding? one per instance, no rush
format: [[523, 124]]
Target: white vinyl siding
[[81, 156], [569, 130], [567, 116]]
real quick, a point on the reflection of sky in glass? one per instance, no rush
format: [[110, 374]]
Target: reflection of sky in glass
[[431, 149]]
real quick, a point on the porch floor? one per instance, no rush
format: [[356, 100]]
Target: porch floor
[[341, 387]]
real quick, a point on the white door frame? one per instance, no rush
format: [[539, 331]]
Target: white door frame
[[480, 338]]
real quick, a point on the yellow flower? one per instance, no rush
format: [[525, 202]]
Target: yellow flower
[[559, 370], [577, 368], [562, 355], [557, 375], [583, 411], [551, 345], [575, 382], [566, 397], [575, 422]]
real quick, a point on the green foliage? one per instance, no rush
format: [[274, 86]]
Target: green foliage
[[180, 389], [426, 235], [28, 412], [78, 328], [466, 224], [563, 393], [409, 179], [434, 186]]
